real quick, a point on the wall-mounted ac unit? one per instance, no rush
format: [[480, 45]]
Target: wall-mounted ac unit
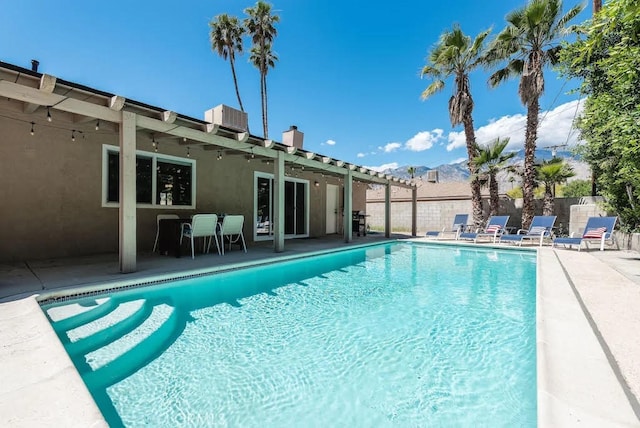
[[228, 117], [432, 176]]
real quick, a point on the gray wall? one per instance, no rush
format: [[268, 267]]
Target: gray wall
[[436, 215]]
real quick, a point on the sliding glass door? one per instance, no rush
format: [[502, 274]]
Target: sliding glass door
[[296, 207]]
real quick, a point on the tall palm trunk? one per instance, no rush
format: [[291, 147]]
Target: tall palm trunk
[[494, 202], [476, 193], [547, 205], [263, 94], [266, 108], [597, 5], [235, 80], [529, 178]]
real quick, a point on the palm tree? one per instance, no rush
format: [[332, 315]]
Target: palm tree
[[260, 25], [411, 171], [529, 43], [455, 54], [489, 162], [260, 56], [552, 172], [226, 39]]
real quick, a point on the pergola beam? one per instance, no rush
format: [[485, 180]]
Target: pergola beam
[[169, 116], [205, 135], [47, 84]]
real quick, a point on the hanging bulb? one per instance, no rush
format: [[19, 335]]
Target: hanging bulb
[[98, 125], [188, 152], [153, 142], [48, 115], [32, 130], [184, 139], [73, 135], [156, 147]]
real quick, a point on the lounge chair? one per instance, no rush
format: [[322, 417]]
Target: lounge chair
[[598, 229], [459, 225], [496, 227], [540, 228]]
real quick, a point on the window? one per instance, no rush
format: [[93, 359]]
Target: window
[[161, 180]]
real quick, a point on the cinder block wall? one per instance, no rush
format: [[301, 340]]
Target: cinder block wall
[[436, 215]]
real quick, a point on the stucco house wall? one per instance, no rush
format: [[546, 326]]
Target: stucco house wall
[[52, 189]]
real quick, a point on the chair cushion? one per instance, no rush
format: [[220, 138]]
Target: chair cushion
[[595, 233], [537, 230], [493, 228]]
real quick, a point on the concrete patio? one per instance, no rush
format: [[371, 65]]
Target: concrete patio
[[587, 323]]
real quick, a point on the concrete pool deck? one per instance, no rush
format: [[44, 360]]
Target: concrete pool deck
[[588, 344]]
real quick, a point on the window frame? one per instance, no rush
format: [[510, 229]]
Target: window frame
[[306, 198], [107, 149]]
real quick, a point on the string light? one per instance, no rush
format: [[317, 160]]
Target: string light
[[188, 152], [98, 125], [153, 142], [184, 139], [32, 130], [48, 115], [73, 135], [219, 155]]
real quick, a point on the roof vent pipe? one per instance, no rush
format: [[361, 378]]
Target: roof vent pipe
[[34, 65]]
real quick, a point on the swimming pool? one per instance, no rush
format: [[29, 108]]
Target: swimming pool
[[397, 334]]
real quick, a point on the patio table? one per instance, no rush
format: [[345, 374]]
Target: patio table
[[169, 231]]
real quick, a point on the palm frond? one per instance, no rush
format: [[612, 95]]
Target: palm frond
[[513, 69], [561, 27], [435, 87]]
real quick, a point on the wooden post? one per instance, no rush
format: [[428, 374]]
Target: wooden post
[[127, 210], [278, 209]]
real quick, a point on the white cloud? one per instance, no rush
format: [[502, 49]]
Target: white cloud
[[392, 165], [330, 143], [391, 147], [360, 155], [555, 128], [423, 140], [458, 160]]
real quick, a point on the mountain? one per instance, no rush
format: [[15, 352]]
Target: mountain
[[457, 172]]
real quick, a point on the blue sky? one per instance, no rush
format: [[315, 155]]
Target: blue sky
[[348, 73]]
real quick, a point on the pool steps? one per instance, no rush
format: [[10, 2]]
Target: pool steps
[[143, 346], [105, 336], [139, 356], [86, 317]]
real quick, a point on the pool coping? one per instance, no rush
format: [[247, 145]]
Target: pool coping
[[577, 381]]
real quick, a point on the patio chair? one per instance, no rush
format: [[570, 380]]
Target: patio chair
[[204, 226], [496, 227], [540, 228], [231, 228], [459, 225], [158, 218], [598, 229]]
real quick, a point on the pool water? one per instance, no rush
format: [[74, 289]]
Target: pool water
[[389, 335]]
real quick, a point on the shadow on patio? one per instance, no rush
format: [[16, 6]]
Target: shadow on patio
[[29, 277]]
